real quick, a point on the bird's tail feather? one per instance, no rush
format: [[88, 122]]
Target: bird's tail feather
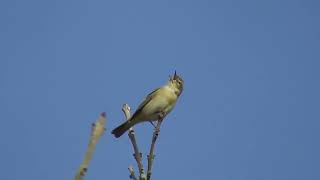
[[120, 130]]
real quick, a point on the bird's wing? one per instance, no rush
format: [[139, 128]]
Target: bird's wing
[[145, 102]]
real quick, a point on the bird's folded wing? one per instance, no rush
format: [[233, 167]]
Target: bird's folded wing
[[145, 102]]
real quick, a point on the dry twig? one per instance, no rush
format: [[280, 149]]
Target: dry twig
[[97, 131], [151, 152], [137, 154], [132, 175]]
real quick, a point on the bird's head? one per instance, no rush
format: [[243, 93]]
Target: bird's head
[[177, 83]]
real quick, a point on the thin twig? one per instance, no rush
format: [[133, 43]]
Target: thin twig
[[137, 155], [132, 175], [97, 131], [151, 153]]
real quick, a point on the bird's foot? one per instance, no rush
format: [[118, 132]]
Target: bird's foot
[[161, 115]]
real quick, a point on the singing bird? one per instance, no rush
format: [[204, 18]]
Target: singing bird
[[155, 106]]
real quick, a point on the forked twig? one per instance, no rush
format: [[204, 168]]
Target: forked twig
[[137, 155]]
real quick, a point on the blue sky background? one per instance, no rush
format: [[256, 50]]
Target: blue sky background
[[250, 109]]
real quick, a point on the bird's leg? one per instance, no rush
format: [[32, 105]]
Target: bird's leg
[[152, 124], [161, 115]]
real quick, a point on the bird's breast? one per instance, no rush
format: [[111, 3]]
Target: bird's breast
[[164, 100]]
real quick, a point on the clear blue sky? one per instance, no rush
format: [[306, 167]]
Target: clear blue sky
[[250, 109]]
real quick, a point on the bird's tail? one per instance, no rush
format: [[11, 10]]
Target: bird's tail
[[118, 131]]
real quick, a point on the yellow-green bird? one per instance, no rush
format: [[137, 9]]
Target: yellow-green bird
[[155, 106]]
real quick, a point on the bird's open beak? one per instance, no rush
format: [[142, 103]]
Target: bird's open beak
[[175, 75]]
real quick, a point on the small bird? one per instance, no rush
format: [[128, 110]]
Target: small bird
[[155, 106]]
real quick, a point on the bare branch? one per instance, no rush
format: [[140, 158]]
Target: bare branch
[[97, 131], [137, 154], [151, 153], [132, 175]]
